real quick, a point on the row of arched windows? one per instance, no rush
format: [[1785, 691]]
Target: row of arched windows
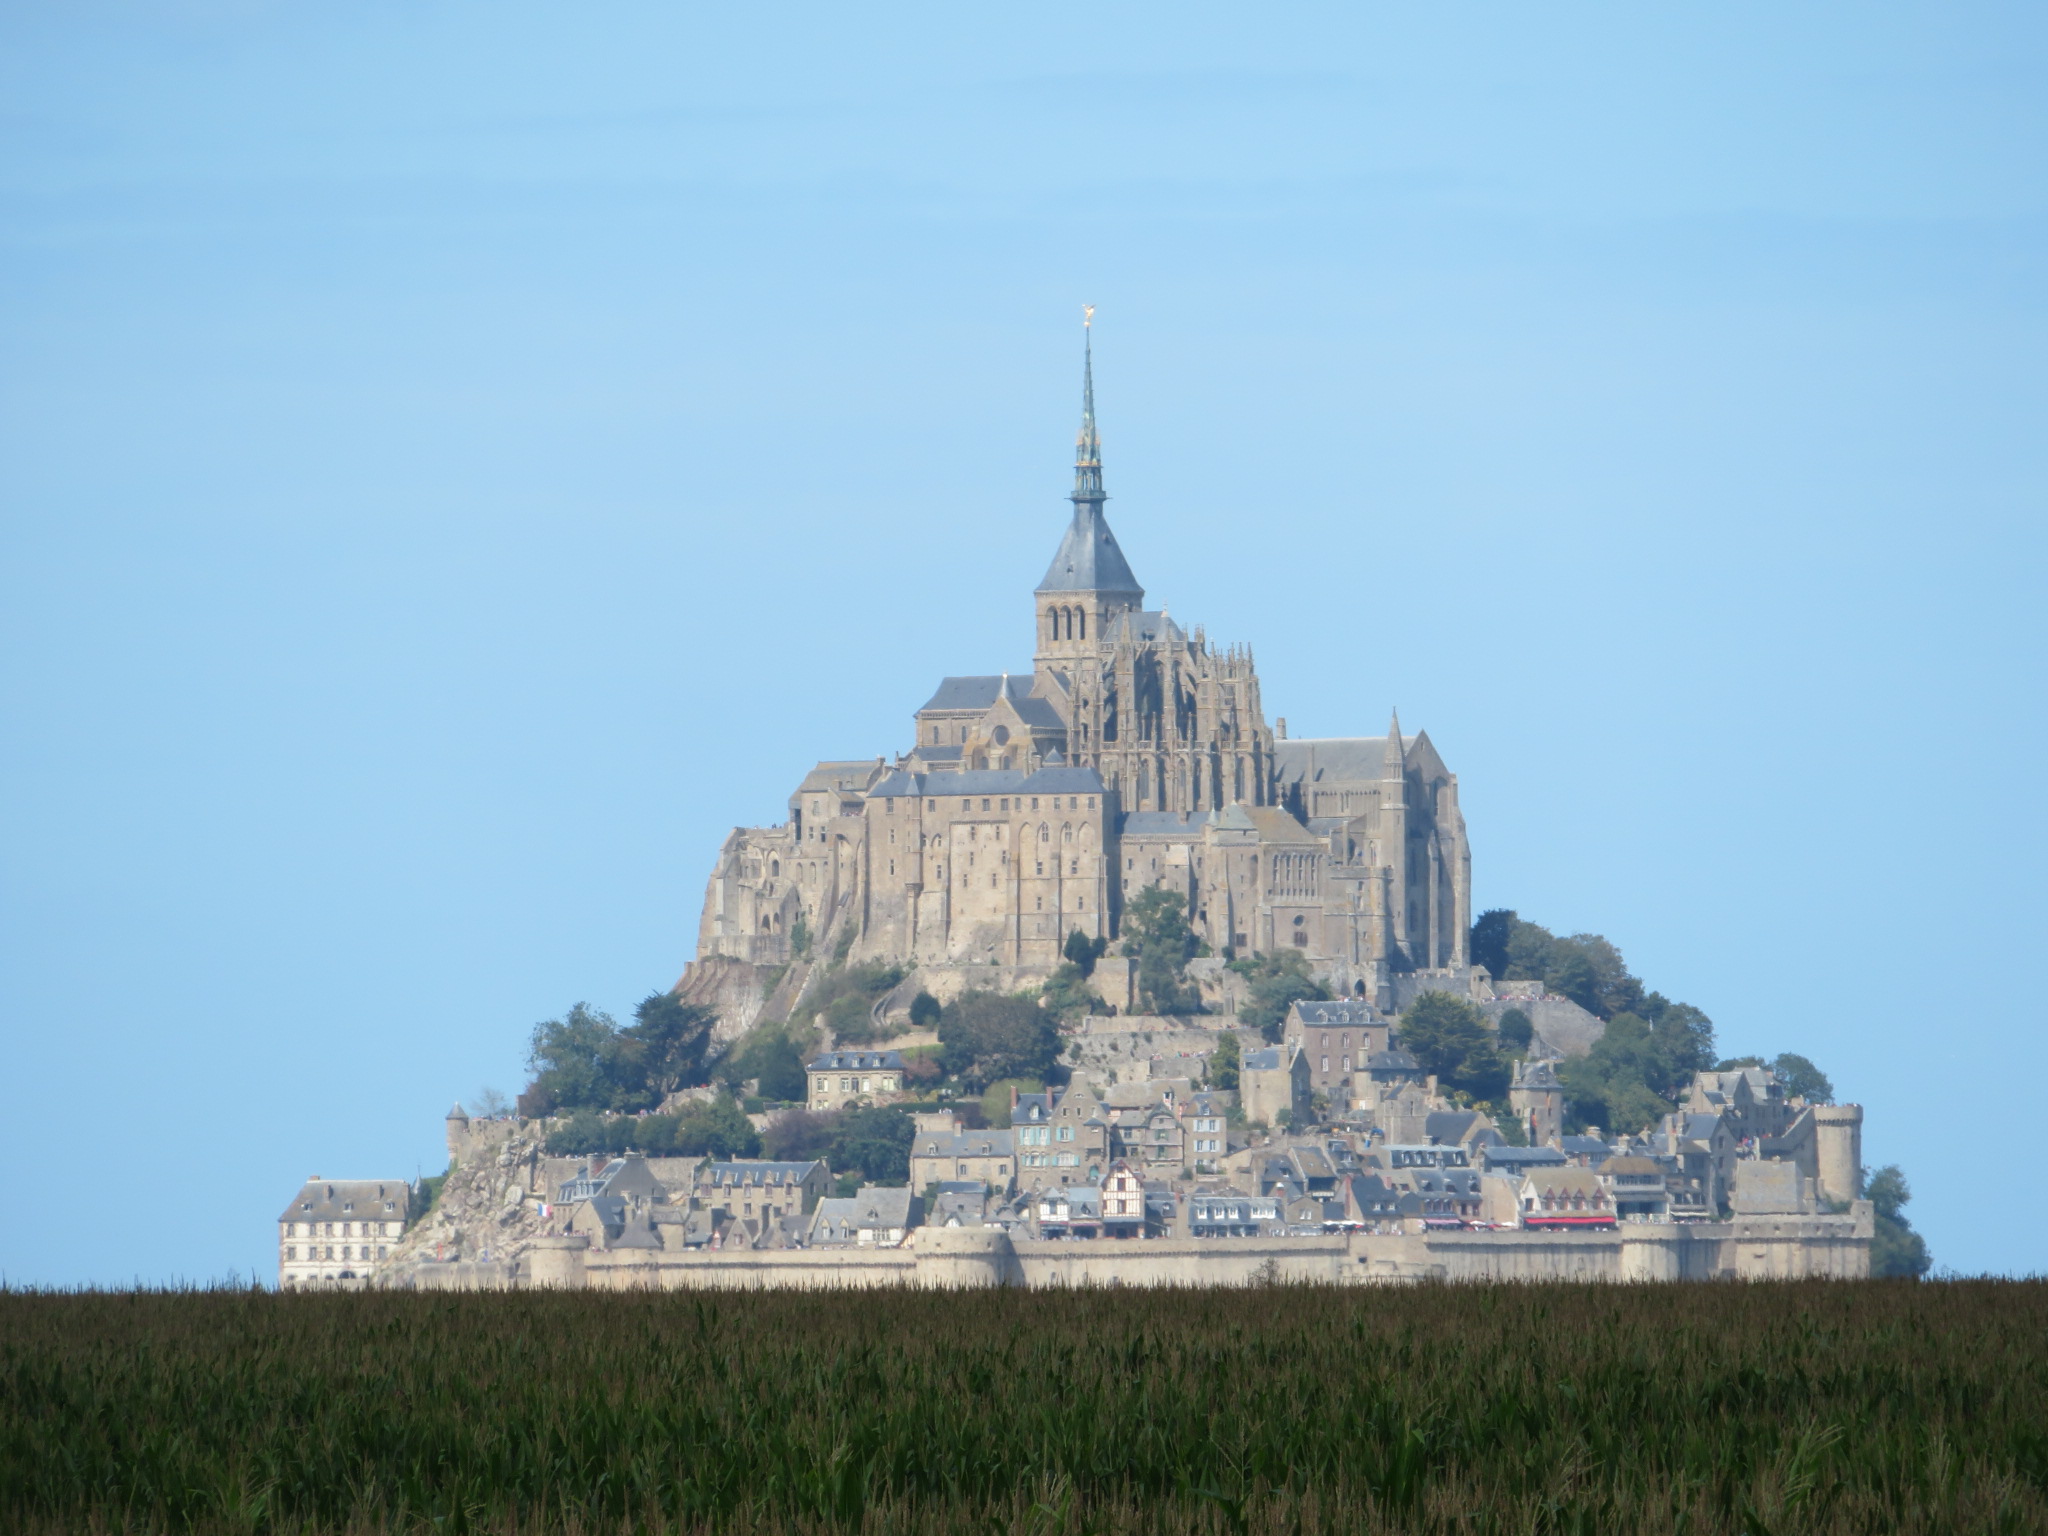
[[1063, 623]]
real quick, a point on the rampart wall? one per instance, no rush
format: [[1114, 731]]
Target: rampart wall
[[1747, 1248]]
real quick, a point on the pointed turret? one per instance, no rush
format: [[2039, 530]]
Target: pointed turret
[[1394, 849], [1089, 582]]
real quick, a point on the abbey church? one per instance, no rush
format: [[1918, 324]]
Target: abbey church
[[1131, 754]]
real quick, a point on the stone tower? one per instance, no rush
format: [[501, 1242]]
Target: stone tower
[[1089, 583], [1838, 1150], [1537, 1098]]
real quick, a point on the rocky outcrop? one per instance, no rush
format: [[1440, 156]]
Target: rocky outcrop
[[728, 987], [488, 1210]]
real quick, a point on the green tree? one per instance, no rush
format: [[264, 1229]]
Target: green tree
[[1619, 1084], [924, 1011], [1585, 967], [1275, 982], [1082, 952], [1802, 1079], [766, 1054], [800, 938], [875, 1142], [850, 1019], [984, 1036], [716, 1128], [1686, 1036], [1516, 1031], [1156, 932], [668, 1044], [1449, 1037], [1067, 993], [573, 1061], [1615, 990], [799, 1135], [1490, 935], [1571, 974], [1896, 1250], [1224, 1061]]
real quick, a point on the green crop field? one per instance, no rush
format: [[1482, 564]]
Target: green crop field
[[1877, 1407]]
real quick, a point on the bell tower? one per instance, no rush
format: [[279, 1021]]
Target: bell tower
[[1089, 582]]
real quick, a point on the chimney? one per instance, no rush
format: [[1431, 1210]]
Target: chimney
[[1280, 728]]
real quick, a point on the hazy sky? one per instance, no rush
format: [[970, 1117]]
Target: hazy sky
[[458, 460]]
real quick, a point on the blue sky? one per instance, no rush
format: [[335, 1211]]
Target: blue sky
[[458, 460]]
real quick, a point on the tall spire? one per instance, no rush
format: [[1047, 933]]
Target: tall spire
[[1088, 446], [1088, 559], [1395, 760]]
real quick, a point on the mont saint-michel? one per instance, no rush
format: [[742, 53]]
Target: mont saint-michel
[[1097, 975], [1133, 753]]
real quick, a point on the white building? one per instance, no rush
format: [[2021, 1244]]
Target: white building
[[338, 1229]]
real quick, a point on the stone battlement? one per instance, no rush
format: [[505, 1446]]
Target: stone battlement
[[1747, 1248]]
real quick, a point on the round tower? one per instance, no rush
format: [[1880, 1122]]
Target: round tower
[[1838, 1147], [458, 1132]]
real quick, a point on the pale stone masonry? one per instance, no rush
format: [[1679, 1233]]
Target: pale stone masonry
[[839, 1078], [1132, 753], [340, 1229]]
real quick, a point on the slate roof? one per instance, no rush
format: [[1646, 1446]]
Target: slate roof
[[1038, 713], [1448, 1126], [989, 781], [878, 1207], [1271, 1059], [1084, 1201], [1309, 759], [1088, 559], [1144, 627], [965, 1144], [1506, 1157], [1272, 824], [1392, 1059], [1345, 1013], [833, 1220], [858, 1061], [976, 693], [351, 1199], [838, 776], [1185, 825], [754, 1172]]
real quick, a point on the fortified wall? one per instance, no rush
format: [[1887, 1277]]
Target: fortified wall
[[1747, 1248]]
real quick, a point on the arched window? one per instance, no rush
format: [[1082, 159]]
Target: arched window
[[775, 866], [1067, 832], [1044, 833], [1084, 622]]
